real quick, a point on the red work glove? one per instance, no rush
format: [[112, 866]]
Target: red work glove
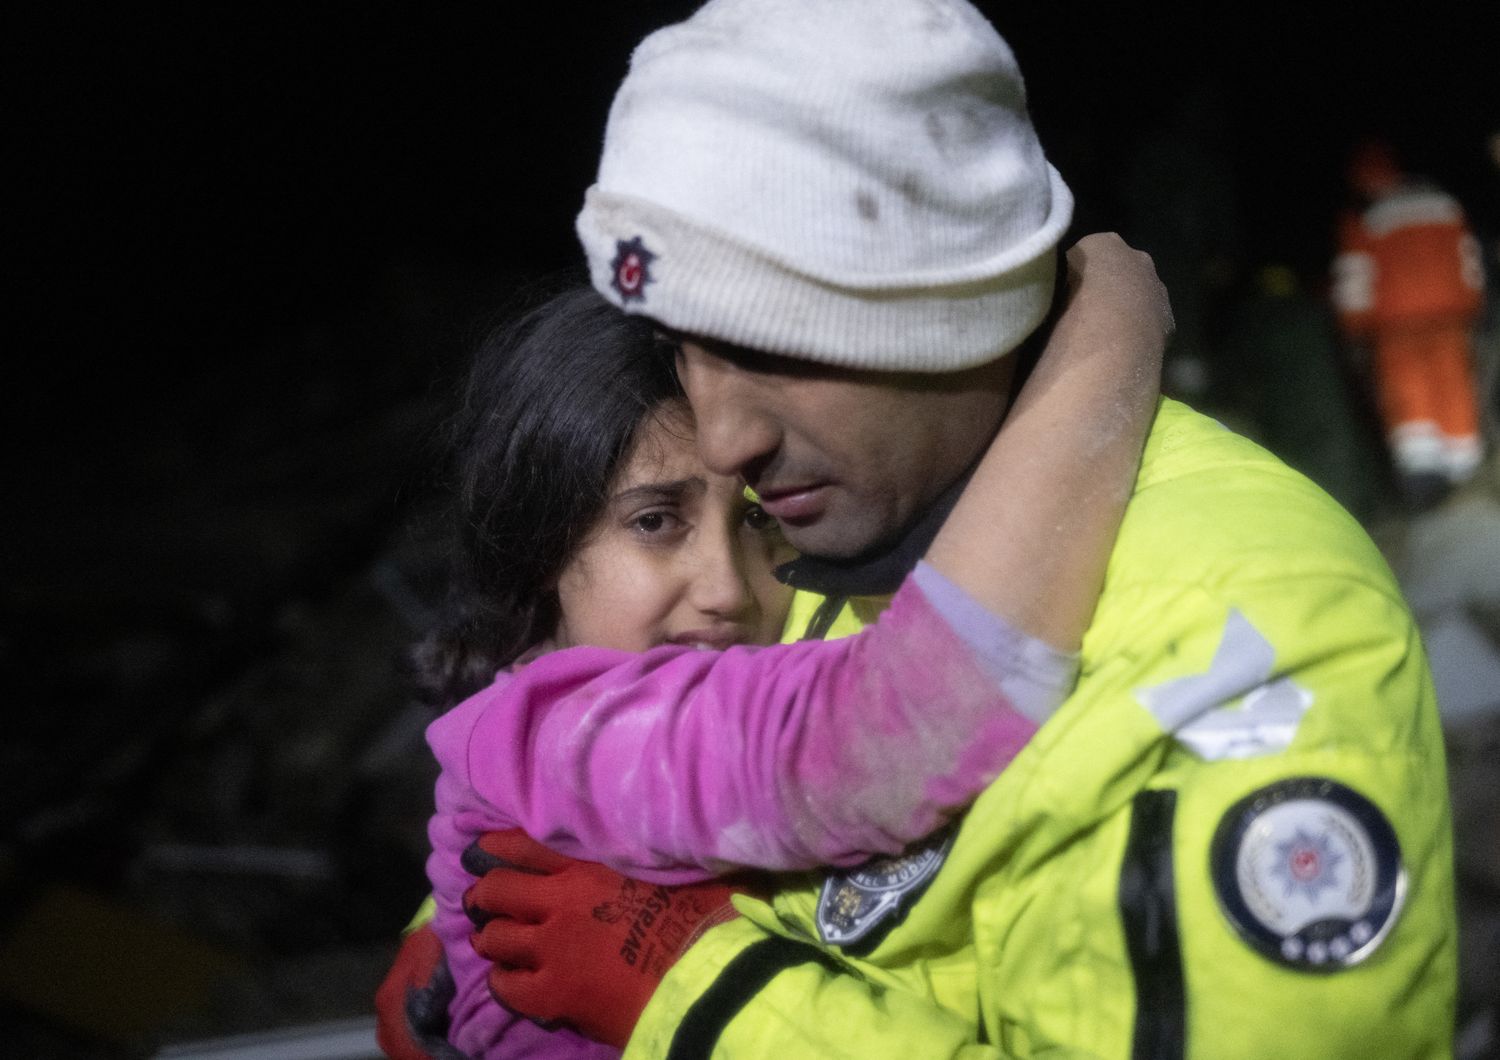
[[411, 1005], [577, 944]]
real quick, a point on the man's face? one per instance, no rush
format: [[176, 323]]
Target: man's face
[[845, 459]]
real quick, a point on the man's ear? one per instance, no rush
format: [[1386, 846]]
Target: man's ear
[[668, 344]]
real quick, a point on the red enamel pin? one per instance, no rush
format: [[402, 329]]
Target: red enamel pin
[[632, 269]]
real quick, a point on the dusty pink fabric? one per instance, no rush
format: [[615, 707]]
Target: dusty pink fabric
[[676, 764]]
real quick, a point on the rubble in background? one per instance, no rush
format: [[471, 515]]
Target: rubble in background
[[216, 785]]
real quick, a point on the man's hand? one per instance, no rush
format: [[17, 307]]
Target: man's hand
[[577, 944], [411, 1006]]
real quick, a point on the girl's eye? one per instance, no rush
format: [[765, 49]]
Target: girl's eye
[[653, 523]]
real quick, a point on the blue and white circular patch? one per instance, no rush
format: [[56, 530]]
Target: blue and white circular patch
[[1309, 873]]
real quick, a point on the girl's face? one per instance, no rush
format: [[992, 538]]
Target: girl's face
[[678, 556]]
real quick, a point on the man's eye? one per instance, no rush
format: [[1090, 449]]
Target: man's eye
[[757, 518]]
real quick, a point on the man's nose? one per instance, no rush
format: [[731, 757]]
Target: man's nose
[[719, 584], [736, 433]]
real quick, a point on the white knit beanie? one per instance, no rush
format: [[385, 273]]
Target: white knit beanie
[[855, 182]]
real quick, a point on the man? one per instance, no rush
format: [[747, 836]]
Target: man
[[1409, 280], [1233, 839]]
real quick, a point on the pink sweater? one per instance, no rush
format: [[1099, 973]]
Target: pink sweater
[[678, 764]]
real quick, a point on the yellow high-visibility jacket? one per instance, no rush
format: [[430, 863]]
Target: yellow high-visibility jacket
[[1232, 841]]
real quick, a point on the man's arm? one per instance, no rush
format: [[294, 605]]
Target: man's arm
[[770, 996], [1353, 291], [767, 995]]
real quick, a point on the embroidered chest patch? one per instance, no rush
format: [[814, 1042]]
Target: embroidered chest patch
[[857, 908], [1309, 873], [632, 269]]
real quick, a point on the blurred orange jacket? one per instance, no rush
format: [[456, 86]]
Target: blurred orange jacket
[[1408, 260]]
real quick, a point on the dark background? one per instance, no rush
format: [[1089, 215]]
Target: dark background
[[248, 249], [193, 180]]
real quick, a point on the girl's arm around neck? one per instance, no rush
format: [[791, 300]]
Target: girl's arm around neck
[[1031, 536]]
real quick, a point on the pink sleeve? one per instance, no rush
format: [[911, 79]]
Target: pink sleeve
[[479, 1026], [677, 764]]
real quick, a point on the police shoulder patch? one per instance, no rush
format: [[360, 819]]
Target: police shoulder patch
[[1308, 872]]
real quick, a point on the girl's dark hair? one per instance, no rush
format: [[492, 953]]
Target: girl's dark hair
[[552, 404]]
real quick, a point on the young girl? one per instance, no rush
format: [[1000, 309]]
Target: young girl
[[672, 560], [557, 404], [583, 516]]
